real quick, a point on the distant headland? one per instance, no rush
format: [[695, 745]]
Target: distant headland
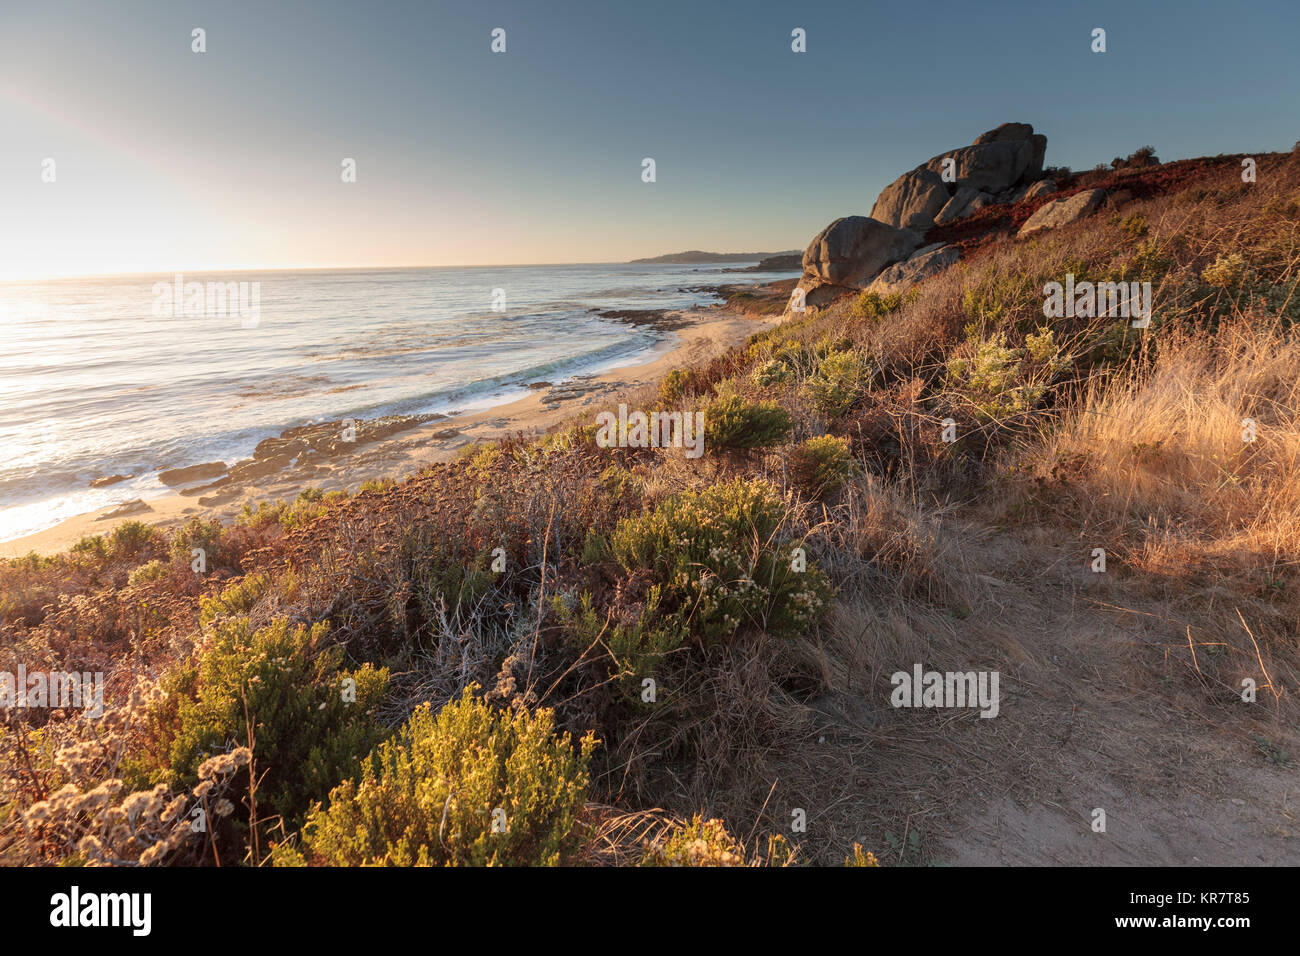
[[695, 255]]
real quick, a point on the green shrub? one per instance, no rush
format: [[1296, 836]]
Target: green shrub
[[698, 843], [428, 797], [197, 533], [151, 571], [311, 720], [873, 305], [310, 504], [124, 542], [840, 378], [775, 371], [733, 423], [991, 379], [1147, 264], [717, 558], [1041, 345], [377, 485], [130, 538], [999, 298], [1135, 225], [861, 857], [618, 482], [1226, 271], [595, 548], [635, 650], [673, 386], [91, 546], [441, 578], [821, 465], [235, 599], [480, 457]]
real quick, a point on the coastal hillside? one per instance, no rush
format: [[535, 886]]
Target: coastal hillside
[[614, 645]]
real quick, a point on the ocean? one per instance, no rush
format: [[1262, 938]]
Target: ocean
[[110, 375]]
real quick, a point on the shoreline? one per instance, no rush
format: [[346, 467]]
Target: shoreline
[[700, 334]]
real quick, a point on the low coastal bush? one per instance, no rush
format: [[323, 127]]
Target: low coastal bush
[[840, 378], [1001, 298], [128, 541], [775, 371], [619, 482], [733, 423], [130, 538], [717, 558], [235, 599], [443, 581], [470, 787], [673, 386], [311, 503], [197, 534], [150, 571], [1226, 271], [698, 843], [990, 377], [820, 465], [634, 650], [873, 305], [278, 691]]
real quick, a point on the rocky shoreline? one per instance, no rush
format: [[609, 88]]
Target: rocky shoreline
[[302, 450], [316, 456], [303, 453]]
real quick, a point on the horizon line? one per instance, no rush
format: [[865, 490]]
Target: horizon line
[[347, 268]]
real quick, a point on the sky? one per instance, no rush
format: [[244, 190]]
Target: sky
[[169, 160]]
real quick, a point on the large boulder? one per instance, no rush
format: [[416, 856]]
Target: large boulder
[[1039, 143], [816, 293], [912, 200], [852, 250], [989, 167], [1000, 163], [1040, 188], [922, 264], [1015, 132], [963, 203], [1007, 132], [1061, 212], [999, 159]]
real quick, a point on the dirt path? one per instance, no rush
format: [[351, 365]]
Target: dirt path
[[1101, 707]]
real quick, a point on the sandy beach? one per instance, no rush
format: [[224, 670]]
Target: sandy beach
[[699, 334]]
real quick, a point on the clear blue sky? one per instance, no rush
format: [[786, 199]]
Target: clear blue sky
[[169, 159]]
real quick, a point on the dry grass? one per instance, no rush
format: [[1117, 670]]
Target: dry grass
[[1169, 453]]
